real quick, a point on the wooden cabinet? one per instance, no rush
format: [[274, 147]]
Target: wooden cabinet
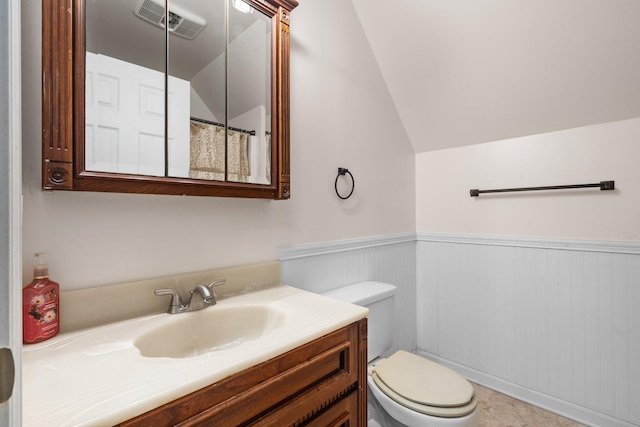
[[321, 383], [82, 154]]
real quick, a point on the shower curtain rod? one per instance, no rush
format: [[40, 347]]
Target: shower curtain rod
[[209, 122], [604, 185]]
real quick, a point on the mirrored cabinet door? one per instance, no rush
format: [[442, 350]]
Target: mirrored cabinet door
[[249, 94], [197, 89], [125, 64]]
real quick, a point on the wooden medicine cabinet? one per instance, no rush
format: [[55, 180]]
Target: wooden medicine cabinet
[[196, 107]]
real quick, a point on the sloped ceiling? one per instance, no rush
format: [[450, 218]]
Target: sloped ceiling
[[464, 72]]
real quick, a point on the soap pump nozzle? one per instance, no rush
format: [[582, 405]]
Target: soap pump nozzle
[[41, 269]]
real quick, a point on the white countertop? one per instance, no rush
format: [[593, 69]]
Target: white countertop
[[97, 377]]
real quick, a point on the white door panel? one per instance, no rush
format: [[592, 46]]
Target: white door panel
[[125, 109], [179, 130]]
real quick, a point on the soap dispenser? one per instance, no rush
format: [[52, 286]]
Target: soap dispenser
[[40, 305]]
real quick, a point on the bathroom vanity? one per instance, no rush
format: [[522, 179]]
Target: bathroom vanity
[[263, 355], [321, 383]]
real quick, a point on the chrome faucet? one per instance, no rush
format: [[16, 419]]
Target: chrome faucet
[[200, 297]]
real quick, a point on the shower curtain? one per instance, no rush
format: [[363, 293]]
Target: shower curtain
[[238, 156], [207, 153]]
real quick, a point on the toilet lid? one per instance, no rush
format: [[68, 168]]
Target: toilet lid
[[424, 382], [435, 411]]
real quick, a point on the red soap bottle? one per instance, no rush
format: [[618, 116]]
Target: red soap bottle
[[40, 305]]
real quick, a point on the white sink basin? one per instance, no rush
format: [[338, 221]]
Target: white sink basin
[[107, 374], [211, 329]]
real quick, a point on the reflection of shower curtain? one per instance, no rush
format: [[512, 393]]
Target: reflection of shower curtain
[[207, 153], [238, 156]]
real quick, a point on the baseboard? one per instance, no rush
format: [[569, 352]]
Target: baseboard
[[545, 401]]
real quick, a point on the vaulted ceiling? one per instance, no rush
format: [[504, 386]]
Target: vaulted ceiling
[[463, 72]]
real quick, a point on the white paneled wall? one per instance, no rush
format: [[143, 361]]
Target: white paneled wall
[[392, 259], [551, 322]]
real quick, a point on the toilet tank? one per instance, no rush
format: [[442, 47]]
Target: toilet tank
[[378, 298]]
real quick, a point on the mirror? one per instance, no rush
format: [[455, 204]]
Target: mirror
[[124, 91], [198, 107], [249, 86]]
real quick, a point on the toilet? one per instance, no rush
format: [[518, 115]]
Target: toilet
[[411, 390]]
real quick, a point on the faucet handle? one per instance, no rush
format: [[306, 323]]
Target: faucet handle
[[216, 282], [176, 301]]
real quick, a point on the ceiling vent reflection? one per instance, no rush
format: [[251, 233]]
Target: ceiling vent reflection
[[181, 22]]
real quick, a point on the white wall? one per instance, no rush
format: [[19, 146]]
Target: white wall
[[583, 155], [392, 259], [342, 115], [535, 294], [552, 322]]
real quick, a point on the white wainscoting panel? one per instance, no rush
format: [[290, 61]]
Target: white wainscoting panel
[[554, 323], [322, 267]]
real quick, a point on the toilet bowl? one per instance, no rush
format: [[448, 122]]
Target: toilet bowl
[[412, 390], [417, 392]]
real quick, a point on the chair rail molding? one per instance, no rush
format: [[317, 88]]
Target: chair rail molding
[[632, 248], [315, 249]]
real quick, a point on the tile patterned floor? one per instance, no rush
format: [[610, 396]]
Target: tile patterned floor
[[498, 410]]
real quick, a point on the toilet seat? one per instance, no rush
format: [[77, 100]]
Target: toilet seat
[[424, 386]]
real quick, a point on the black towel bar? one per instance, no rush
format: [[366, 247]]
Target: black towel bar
[[604, 185]]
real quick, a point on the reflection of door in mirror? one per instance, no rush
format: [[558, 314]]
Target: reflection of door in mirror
[[125, 110], [124, 91], [124, 118]]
